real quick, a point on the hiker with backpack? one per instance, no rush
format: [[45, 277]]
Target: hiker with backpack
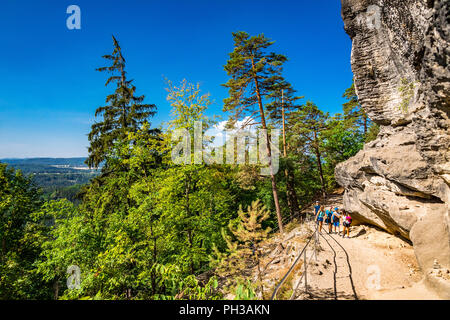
[[329, 213], [336, 218], [347, 222]]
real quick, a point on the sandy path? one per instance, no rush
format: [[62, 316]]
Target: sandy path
[[371, 264]]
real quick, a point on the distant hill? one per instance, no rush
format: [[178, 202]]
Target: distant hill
[[50, 161], [55, 175], [40, 163], [48, 165]]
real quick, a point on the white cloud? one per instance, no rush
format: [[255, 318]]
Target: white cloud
[[219, 132]]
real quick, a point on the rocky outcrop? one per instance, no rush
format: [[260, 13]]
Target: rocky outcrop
[[401, 181]]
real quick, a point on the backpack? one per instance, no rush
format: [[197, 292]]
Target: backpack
[[336, 218], [349, 219]]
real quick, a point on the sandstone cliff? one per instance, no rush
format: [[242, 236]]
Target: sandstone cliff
[[401, 181]]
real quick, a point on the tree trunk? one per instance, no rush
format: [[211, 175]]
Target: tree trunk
[[290, 189], [269, 151], [56, 287], [292, 194], [319, 165]]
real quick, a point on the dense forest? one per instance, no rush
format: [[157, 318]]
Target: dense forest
[[58, 178], [144, 227]]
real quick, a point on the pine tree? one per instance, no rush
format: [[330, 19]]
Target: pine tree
[[249, 233], [279, 111], [123, 113], [254, 72], [356, 117], [309, 124], [354, 114]]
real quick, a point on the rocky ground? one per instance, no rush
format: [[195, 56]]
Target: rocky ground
[[371, 264]]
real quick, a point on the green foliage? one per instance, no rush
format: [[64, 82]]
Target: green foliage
[[254, 72], [146, 228], [283, 101], [123, 113], [248, 230], [245, 290], [310, 123], [372, 133], [188, 105], [355, 118], [339, 144], [20, 236], [354, 115], [255, 75]]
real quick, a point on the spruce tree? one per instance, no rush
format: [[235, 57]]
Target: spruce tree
[[254, 72], [124, 112]]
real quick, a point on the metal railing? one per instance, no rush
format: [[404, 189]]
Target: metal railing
[[290, 218]]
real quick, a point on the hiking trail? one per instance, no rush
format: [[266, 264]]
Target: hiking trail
[[371, 264]]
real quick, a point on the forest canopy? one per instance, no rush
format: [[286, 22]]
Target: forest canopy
[[147, 228]]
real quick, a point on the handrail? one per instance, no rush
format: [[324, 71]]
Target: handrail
[[275, 292], [299, 280], [288, 219]]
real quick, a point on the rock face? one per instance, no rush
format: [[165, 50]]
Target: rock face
[[401, 181]]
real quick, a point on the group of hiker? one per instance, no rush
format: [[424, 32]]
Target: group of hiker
[[334, 217]]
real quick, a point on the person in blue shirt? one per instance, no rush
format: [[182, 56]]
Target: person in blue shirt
[[329, 213], [319, 216], [316, 208], [336, 219]]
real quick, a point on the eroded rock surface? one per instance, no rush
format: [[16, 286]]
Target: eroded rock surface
[[401, 181]]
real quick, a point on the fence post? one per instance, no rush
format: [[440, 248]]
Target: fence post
[[306, 272], [315, 246]]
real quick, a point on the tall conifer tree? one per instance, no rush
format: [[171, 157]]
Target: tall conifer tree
[[280, 110], [123, 113], [354, 114], [254, 72], [310, 123]]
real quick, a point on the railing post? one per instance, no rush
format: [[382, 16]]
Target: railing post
[[306, 272], [315, 246]]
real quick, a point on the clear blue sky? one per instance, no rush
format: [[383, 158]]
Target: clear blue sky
[[49, 88]]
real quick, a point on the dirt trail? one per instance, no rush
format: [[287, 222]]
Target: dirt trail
[[371, 264]]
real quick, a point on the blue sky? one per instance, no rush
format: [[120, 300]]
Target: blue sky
[[49, 88]]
